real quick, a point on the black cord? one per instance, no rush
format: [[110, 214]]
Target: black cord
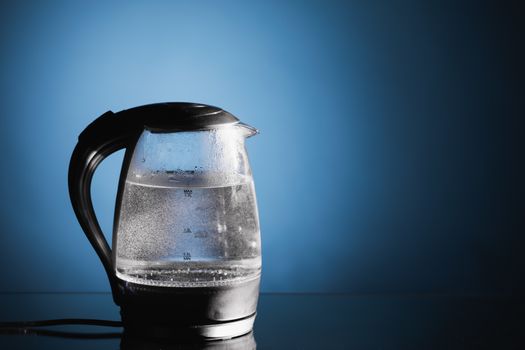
[[61, 322], [59, 334], [28, 328]]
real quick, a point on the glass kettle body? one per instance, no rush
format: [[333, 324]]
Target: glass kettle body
[[187, 215], [186, 250]]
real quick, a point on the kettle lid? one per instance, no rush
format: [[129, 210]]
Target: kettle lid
[[179, 116]]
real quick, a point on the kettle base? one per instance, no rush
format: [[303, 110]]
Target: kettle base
[[226, 330], [220, 312]]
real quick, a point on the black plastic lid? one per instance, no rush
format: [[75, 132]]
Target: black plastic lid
[[173, 116]]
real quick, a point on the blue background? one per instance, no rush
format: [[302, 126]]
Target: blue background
[[390, 153]]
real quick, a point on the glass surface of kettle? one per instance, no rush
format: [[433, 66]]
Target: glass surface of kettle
[[186, 249]]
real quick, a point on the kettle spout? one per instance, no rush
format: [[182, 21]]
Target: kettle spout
[[248, 130]]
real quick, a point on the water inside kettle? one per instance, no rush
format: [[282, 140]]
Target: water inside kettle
[[182, 230]]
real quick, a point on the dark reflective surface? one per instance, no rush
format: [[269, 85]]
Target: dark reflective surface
[[290, 321], [133, 342]]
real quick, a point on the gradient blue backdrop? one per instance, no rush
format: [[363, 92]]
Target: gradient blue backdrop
[[389, 156]]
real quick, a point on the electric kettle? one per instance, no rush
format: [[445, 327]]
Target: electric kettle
[[186, 249]]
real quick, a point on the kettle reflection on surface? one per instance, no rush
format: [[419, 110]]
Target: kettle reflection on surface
[[186, 243], [131, 342]]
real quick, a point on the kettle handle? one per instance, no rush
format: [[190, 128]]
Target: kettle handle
[[104, 136]]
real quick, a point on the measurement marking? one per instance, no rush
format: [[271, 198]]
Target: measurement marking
[[200, 234], [187, 193]]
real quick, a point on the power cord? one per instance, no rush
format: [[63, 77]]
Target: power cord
[[32, 328], [61, 322]]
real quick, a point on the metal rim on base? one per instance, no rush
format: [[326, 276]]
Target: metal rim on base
[[226, 330]]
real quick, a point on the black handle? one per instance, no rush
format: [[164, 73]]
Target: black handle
[[106, 135]]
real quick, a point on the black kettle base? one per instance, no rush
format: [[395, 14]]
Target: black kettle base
[[207, 312]]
